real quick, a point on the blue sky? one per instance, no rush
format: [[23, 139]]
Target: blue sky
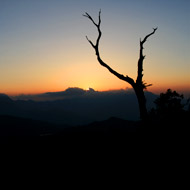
[[43, 45]]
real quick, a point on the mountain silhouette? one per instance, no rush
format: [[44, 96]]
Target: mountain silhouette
[[4, 99], [76, 106], [23, 127]]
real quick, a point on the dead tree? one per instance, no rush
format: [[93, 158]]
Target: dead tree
[[137, 85]]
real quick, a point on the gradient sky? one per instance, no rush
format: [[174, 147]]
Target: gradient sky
[[43, 45]]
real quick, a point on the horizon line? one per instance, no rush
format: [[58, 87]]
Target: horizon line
[[186, 93]]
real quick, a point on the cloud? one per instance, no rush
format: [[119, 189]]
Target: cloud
[[68, 93]]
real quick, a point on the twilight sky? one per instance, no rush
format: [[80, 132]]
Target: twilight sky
[[43, 45]]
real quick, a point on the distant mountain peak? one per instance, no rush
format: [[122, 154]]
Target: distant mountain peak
[[91, 90], [5, 98]]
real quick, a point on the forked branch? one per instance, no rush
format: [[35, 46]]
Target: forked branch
[[96, 48], [99, 31]]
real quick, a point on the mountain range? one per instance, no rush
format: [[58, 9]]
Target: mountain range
[[75, 106]]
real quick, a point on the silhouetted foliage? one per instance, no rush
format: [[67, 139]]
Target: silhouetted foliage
[[170, 109], [139, 85], [188, 104], [169, 103]]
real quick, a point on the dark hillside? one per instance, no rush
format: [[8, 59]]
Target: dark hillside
[[113, 132]]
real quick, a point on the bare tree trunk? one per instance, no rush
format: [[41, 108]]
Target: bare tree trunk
[[139, 85], [141, 102]]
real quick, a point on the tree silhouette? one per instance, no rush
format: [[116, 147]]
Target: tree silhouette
[[137, 85], [169, 105]]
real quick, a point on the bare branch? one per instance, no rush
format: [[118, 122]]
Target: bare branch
[[145, 85], [141, 59], [146, 37], [88, 16], [96, 47], [99, 18], [90, 42], [118, 75]]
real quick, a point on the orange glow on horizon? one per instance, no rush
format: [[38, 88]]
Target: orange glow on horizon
[[43, 49], [184, 89]]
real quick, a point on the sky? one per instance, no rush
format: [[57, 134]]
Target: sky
[[43, 46]]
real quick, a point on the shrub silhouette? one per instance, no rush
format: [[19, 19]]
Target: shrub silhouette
[[169, 106]]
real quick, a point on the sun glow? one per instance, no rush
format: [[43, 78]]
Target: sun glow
[[43, 49]]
